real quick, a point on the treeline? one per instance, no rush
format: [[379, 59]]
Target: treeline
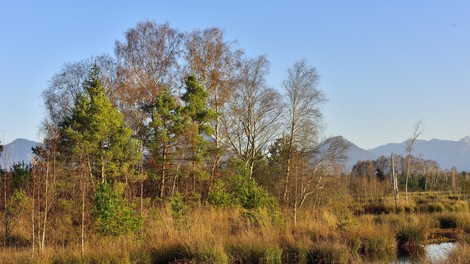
[[372, 179], [173, 118]]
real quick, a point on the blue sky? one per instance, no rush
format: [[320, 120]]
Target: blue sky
[[384, 64]]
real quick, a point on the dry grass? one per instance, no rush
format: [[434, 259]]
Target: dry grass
[[461, 254], [234, 235]]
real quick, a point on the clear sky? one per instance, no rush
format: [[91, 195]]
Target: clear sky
[[384, 64]]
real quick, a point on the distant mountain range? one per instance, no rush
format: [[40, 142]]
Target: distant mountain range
[[449, 154], [18, 150]]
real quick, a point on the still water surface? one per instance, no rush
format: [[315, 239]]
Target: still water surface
[[435, 253]]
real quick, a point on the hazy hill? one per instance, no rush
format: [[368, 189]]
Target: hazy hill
[[353, 153], [447, 153], [18, 150], [356, 154]]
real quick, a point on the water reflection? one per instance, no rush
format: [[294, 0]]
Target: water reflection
[[434, 253], [411, 254], [438, 252]]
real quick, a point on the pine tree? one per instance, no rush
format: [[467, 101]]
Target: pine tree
[[199, 127], [97, 131], [95, 139], [164, 131]]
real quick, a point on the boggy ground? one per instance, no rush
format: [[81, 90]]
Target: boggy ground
[[359, 233]]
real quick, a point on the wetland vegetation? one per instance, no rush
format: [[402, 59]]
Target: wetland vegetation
[[176, 151]]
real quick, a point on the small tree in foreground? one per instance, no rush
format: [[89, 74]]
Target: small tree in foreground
[[113, 216]]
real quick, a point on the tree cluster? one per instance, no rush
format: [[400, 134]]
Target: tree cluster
[[184, 118], [372, 179]]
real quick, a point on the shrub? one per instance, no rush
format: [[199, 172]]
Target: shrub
[[239, 189], [219, 196], [113, 217], [178, 208]]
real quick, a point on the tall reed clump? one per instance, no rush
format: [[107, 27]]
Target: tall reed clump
[[325, 252], [371, 240], [411, 235]]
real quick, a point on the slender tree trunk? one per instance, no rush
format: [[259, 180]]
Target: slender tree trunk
[[142, 207], [5, 209], [46, 207], [216, 120], [32, 218], [286, 184], [296, 197], [289, 159], [82, 234], [90, 171], [194, 173], [395, 182], [38, 200], [102, 170], [175, 187], [407, 177], [162, 182], [216, 161]]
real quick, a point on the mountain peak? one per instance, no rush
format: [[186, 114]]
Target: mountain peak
[[466, 139], [19, 150]]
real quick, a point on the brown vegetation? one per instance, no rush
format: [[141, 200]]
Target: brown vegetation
[[177, 151]]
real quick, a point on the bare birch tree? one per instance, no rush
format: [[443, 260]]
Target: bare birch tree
[[67, 84], [394, 181], [147, 62], [251, 119], [310, 168], [418, 131], [302, 116]]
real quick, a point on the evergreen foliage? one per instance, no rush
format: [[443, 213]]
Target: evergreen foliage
[[95, 137], [21, 173], [240, 189], [113, 216], [96, 132], [197, 117]]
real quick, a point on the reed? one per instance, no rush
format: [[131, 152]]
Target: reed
[[205, 234]]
